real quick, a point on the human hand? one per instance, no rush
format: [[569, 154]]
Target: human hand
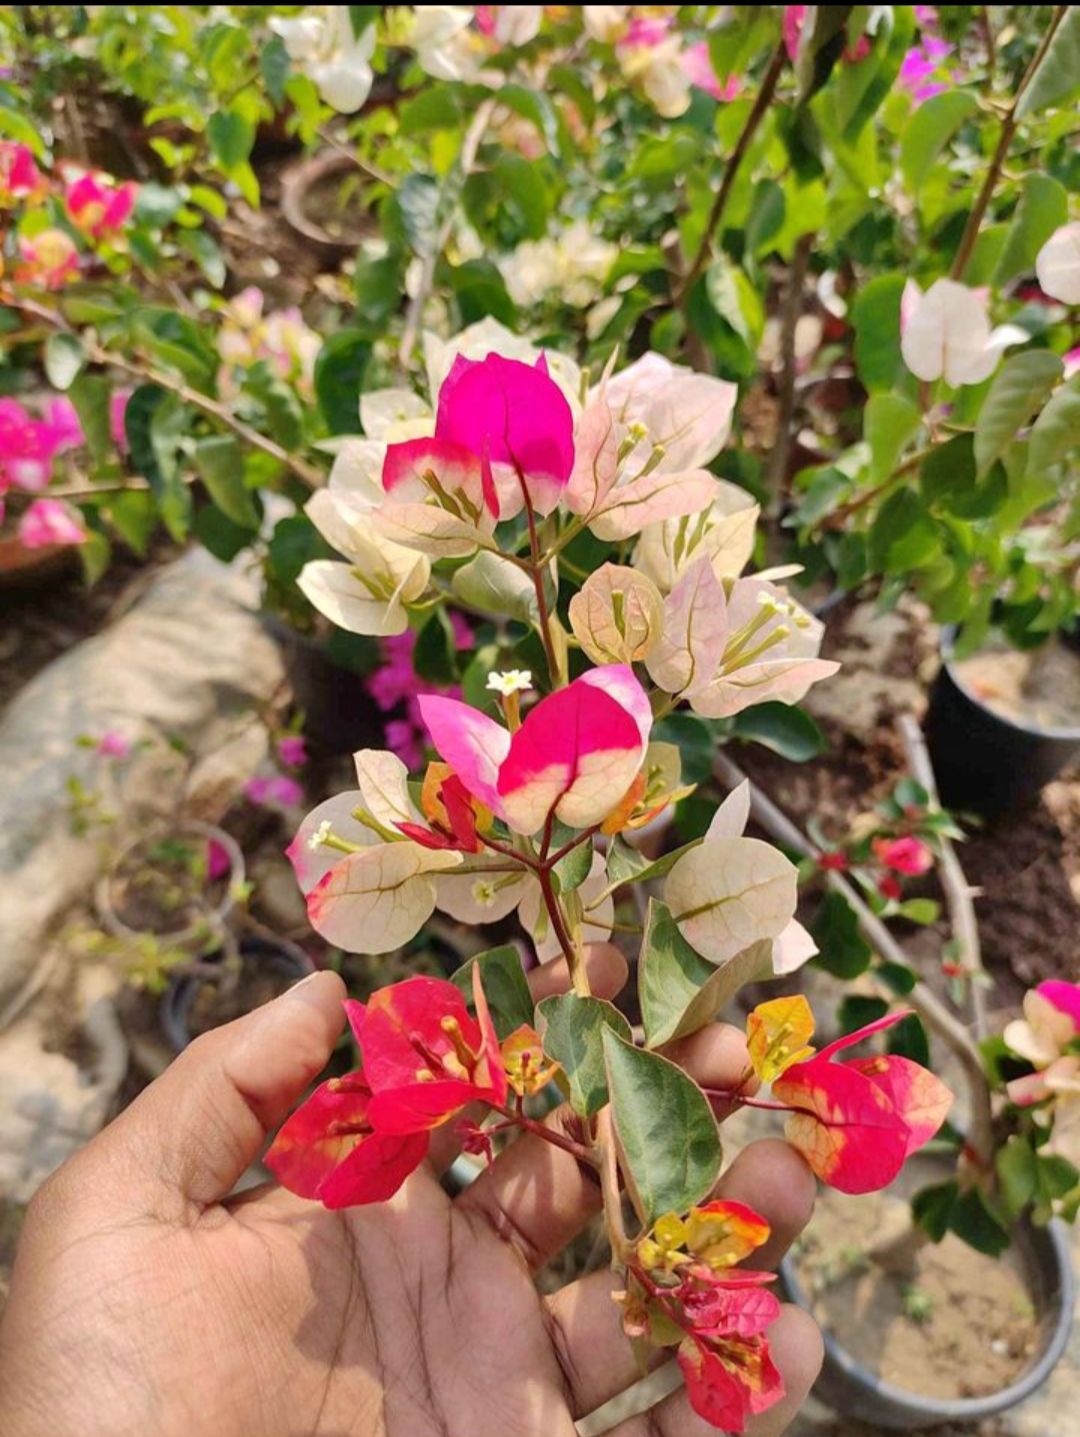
[[146, 1300]]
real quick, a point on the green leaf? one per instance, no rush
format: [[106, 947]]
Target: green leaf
[[843, 951], [1043, 208], [856, 1011], [155, 423], [1056, 432], [931, 127], [206, 252], [678, 991], [573, 870], [496, 586], [948, 479], [64, 359], [1020, 386], [1017, 1174], [18, 127], [920, 910], [522, 192], [626, 863], [274, 67], [932, 1208], [505, 987], [973, 1220], [435, 654], [876, 317], [536, 107], [667, 1132], [220, 463], [231, 136], [908, 1040], [573, 1030], [94, 555], [898, 23], [785, 728], [902, 536], [218, 535], [339, 376], [695, 740], [132, 513], [888, 423], [418, 204], [91, 395], [1058, 75]]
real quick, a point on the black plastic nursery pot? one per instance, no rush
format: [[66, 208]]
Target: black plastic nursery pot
[[340, 715], [983, 762], [857, 1391], [278, 956]]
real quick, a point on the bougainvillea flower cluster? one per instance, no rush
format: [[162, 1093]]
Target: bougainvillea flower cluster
[[684, 1289], [855, 1120], [425, 1058]]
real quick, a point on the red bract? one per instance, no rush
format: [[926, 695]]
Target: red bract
[[328, 1149], [856, 1121], [729, 1382], [459, 478], [511, 414], [357, 1138], [425, 1056], [451, 810]]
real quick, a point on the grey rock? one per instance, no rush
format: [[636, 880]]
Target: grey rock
[[190, 659]]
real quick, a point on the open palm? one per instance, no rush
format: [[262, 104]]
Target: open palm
[[144, 1303]]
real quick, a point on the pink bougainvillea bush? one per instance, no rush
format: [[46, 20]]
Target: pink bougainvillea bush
[[532, 805]]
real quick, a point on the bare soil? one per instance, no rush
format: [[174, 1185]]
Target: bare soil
[[949, 1323]]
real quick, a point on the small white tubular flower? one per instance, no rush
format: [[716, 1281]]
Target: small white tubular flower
[[945, 333], [513, 681], [1057, 265], [320, 835]]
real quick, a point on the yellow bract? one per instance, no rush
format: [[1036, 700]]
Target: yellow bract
[[778, 1034], [527, 1067]]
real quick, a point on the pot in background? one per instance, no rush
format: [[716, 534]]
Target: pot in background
[[200, 937], [340, 716], [984, 762], [856, 1391], [276, 955]]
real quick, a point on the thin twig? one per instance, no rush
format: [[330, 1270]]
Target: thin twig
[[415, 312], [958, 892], [988, 37], [1008, 128], [925, 1002], [788, 325], [97, 354], [738, 154]]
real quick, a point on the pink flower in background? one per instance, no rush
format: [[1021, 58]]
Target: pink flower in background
[[118, 403], [275, 788], [63, 425], [859, 51], [926, 16], [280, 339], [699, 71], [794, 20], [646, 31], [1071, 361], [29, 445], [903, 855], [920, 63], [20, 178], [113, 745], [97, 205], [49, 259], [395, 682], [218, 862], [292, 750], [47, 522]]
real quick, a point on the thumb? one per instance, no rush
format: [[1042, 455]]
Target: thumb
[[192, 1133]]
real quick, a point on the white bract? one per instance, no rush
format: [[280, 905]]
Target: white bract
[[1057, 265], [323, 45], [945, 333]]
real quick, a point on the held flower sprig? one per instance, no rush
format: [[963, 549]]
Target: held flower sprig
[[530, 806]]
